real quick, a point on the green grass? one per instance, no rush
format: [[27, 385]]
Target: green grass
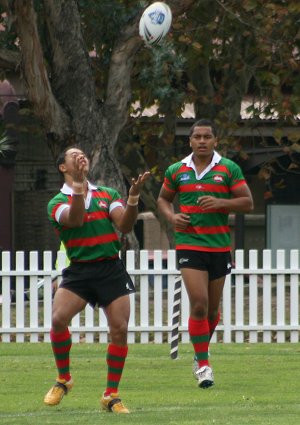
[[255, 384]]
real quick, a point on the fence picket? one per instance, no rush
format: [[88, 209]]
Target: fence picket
[[227, 310], [294, 295], [47, 298], [33, 296], [158, 296], [267, 295], [103, 335], [6, 296], [280, 295], [130, 265], [239, 295], [89, 323], [253, 296], [20, 308], [144, 297]]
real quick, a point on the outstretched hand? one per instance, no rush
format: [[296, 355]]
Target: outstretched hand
[[136, 184]]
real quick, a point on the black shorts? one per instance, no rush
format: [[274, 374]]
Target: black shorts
[[217, 264], [98, 283]]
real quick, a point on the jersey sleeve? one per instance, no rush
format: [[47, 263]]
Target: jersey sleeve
[[115, 199], [53, 207], [169, 182], [237, 178]]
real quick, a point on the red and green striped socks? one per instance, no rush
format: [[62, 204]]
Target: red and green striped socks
[[199, 334], [115, 359], [61, 346]]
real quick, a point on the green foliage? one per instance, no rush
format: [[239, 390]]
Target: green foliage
[[7, 146], [102, 23], [245, 48], [160, 70], [216, 54]]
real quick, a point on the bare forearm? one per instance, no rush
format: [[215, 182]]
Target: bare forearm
[[166, 208], [74, 215], [129, 219], [243, 204], [76, 212], [124, 220]]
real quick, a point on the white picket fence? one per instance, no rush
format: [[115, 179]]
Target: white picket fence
[[260, 301]]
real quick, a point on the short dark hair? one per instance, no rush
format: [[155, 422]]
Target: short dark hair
[[62, 156], [204, 123]]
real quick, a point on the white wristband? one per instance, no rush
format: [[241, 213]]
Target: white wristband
[[133, 201]]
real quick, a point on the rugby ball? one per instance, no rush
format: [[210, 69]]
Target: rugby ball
[[155, 23]]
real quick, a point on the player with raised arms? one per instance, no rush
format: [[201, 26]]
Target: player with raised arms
[[84, 216]]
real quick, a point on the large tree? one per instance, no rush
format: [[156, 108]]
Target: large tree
[[84, 66]]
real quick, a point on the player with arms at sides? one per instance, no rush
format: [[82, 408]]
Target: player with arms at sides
[[84, 216], [209, 187]]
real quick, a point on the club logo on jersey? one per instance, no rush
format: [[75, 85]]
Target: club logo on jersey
[[218, 179], [102, 204], [184, 177], [199, 187]]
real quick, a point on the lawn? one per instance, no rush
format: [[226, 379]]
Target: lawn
[[256, 384]]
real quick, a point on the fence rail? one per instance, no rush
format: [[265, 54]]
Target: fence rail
[[260, 300]]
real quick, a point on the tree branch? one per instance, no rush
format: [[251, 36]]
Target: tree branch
[[122, 59]]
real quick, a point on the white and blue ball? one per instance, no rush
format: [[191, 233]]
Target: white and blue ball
[[155, 23]]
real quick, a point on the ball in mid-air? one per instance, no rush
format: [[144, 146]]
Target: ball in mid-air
[[155, 23]]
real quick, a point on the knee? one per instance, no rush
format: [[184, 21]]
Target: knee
[[118, 333], [120, 328], [199, 309], [58, 322]]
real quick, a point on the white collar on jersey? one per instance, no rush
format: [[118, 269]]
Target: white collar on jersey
[[188, 160], [67, 190]]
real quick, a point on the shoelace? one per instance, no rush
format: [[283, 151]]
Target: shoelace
[[119, 406], [61, 386], [201, 373]]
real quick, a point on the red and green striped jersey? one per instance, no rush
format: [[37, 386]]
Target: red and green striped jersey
[[209, 230], [97, 239]]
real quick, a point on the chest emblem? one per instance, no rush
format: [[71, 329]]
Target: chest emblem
[[102, 204], [184, 177], [218, 179]]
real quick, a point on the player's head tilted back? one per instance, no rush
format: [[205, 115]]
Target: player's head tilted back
[[66, 158]]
